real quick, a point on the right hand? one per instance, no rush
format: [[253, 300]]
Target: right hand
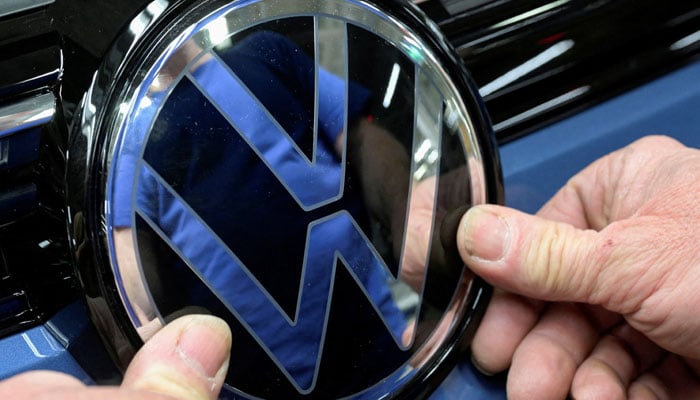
[[601, 291]]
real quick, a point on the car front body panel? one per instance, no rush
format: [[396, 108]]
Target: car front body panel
[[611, 72]]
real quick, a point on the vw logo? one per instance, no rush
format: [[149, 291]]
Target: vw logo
[[296, 168]]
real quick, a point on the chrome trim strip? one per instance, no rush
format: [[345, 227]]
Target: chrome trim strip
[[26, 114], [9, 7]]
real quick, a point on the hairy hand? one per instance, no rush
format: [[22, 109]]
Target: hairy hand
[[599, 293], [187, 359]]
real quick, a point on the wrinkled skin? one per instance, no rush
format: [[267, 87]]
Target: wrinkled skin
[[599, 293], [187, 359]]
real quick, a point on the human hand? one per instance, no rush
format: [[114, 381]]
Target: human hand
[[612, 260], [187, 359]]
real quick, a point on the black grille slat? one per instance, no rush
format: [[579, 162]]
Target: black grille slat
[[15, 311], [612, 47]]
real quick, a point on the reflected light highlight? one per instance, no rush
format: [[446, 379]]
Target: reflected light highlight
[[527, 67]]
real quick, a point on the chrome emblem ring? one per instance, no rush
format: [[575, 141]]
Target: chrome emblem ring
[[296, 168]]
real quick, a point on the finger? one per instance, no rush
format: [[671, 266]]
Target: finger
[[50, 385], [545, 362], [615, 268], [648, 387], [671, 379], [31, 385], [187, 359], [616, 360], [507, 320], [527, 254], [554, 261], [509, 317]]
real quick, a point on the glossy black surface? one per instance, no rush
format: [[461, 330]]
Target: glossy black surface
[[36, 277], [47, 51], [605, 47], [90, 150], [57, 49]]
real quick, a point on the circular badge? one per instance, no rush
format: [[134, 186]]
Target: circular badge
[[297, 168]]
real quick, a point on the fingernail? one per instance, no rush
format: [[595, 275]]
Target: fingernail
[[478, 367], [205, 345], [486, 236]]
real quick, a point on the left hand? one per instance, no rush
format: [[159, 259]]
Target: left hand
[[187, 359]]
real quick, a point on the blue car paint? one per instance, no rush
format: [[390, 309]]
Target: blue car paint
[[534, 168], [37, 348]]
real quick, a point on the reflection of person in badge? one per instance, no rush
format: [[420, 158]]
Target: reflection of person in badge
[[205, 195]]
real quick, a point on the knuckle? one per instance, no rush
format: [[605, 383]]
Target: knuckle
[[655, 141], [548, 261]]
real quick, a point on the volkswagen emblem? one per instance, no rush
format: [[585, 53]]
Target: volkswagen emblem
[[297, 168]]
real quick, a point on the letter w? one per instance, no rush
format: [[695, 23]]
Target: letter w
[[294, 344], [311, 183]]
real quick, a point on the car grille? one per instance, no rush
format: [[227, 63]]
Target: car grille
[[605, 47], [538, 61], [36, 276]]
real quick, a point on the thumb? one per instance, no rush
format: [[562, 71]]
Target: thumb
[[187, 359], [529, 255]]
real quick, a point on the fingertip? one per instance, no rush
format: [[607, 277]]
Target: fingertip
[[648, 387], [484, 235], [479, 366], [187, 359], [546, 360], [205, 344], [597, 380], [530, 255], [507, 321], [536, 375]]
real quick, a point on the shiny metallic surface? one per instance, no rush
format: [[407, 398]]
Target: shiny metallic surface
[[536, 61], [30, 70], [37, 278], [416, 159], [27, 114], [572, 143], [539, 60], [9, 7]]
